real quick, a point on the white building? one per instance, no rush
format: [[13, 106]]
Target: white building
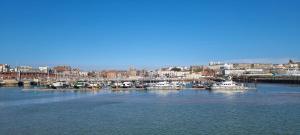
[[172, 74], [23, 69], [194, 76], [293, 72], [4, 68], [44, 69], [83, 73], [255, 71], [235, 72]]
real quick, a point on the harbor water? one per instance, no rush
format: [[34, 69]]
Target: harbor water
[[270, 109]]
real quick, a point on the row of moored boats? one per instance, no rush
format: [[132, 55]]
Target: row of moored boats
[[164, 85]]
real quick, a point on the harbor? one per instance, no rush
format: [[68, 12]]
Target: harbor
[[101, 111], [149, 67], [214, 76]]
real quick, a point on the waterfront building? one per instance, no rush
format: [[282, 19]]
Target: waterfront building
[[196, 69], [4, 68], [143, 73], [262, 66], [173, 72], [132, 72], [279, 66], [194, 76], [294, 65], [293, 72], [242, 66], [85, 74], [234, 72], [111, 74], [114, 74], [44, 69], [24, 69], [216, 66], [62, 69]]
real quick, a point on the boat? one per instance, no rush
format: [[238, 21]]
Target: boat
[[81, 84], [59, 84], [141, 86], [94, 85], [117, 85], [199, 86], [228, 85], [126, 84], [122, 85], [165, 86], [10, 82]]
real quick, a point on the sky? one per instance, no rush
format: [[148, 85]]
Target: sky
[[100, 34]]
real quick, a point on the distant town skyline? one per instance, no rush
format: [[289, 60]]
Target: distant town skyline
[[147, 34]]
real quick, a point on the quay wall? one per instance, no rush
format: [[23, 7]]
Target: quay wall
[[269, 79]]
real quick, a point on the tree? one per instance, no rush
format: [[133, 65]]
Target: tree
[[176, 69]]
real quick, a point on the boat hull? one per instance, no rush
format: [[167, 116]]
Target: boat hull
[[228, 88], [164, 88]]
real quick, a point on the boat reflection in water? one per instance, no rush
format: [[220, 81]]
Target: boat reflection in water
[[229, 92], [163, 92]]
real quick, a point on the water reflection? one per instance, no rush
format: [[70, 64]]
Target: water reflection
[[164, 92], [54, 98], [228, 92]]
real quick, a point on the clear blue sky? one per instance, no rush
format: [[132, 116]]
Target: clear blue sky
[[147, 33]]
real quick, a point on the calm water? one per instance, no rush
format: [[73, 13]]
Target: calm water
[[271, 109]]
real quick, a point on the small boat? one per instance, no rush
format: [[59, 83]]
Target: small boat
[[94, 85], [122, 85], [141, 86], [117, 85], [81, 84], [199, 86], [127, 85], [59, 85]]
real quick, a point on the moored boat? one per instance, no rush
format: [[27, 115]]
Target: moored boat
[[94, 85], [165, 86], [59, 85], [199, 86], [228, 85], [81, 84]]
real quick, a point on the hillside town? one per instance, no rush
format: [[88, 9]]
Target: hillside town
[[14, 74]]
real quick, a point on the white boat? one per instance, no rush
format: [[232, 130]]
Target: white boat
[[122, 85], [127, 85], [81, 84], [165, 86], [228, 85], [117, 85], [59, 84], [93, 85]]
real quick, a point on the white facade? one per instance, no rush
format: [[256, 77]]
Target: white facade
[[172, 73], [255, 70], [194, 76], [4, 68], [43, 69], [234, 72], [293, 72], [228, 66], [24, 69], [82, 73]]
